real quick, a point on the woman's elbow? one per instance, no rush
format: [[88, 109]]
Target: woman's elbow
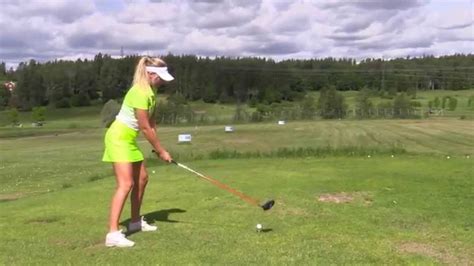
[[144, 128]]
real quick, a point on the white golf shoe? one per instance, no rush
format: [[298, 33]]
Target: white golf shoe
[[141, 225], [118, 239]]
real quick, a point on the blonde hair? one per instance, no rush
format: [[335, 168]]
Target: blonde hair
[[140, 77]]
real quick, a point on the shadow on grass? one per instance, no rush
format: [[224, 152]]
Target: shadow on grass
[[161, 216]]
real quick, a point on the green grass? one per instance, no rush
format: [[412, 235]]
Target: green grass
[[78, 117], [414, 207], [461, 96], [405, 210], [24, 162]]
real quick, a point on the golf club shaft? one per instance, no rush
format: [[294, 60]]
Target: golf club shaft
[[266, 206], [221, 185]]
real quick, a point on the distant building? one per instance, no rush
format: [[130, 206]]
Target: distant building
[[9, 85]]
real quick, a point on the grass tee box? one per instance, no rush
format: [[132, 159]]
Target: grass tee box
[[402, 210], [342, 198]]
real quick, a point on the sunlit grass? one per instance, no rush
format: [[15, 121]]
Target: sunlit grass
[[404, 210]]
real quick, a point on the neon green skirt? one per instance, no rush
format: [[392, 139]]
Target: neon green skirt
[[121, 144]]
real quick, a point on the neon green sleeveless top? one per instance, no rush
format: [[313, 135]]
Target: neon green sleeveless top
[[139, 98]]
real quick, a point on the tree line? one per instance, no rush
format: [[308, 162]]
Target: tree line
[[255, 81], [330, 105]]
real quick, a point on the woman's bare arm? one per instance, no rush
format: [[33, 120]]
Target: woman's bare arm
[[149, 131]]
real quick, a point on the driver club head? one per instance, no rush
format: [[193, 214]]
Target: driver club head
[[268, 205]]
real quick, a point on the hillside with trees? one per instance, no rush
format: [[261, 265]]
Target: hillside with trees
[[258, 82]]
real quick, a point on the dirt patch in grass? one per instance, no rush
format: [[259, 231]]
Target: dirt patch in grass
[[346, 197], [19, 195], [441, 255], [10, 197], [336, 197]]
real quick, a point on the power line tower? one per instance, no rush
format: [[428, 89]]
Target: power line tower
[[382, 80]]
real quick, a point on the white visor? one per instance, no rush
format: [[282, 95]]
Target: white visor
[[161, 71]]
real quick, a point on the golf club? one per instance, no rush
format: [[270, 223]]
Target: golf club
[[265, 206]]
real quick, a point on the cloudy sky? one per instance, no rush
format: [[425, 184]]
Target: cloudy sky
[[67, 29]]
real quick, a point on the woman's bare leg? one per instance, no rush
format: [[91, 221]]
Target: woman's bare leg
[[140, 178], [124, 179]]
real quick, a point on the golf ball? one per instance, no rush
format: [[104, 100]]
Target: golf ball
[[259, 227]]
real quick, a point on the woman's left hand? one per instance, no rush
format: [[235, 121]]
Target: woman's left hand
[[165, 156]]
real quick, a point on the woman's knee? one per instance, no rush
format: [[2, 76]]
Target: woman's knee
[[125, 185], [144, 178]]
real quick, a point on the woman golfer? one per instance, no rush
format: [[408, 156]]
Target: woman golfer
[[136, 114]]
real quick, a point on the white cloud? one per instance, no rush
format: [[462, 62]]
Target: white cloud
[[50, 29], [459, 26], [202, 43], [374, 4], [296, 18], [152, 13], [210, 15], [64, 11]]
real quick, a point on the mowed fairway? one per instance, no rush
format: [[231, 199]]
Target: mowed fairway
[[415, 207]]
